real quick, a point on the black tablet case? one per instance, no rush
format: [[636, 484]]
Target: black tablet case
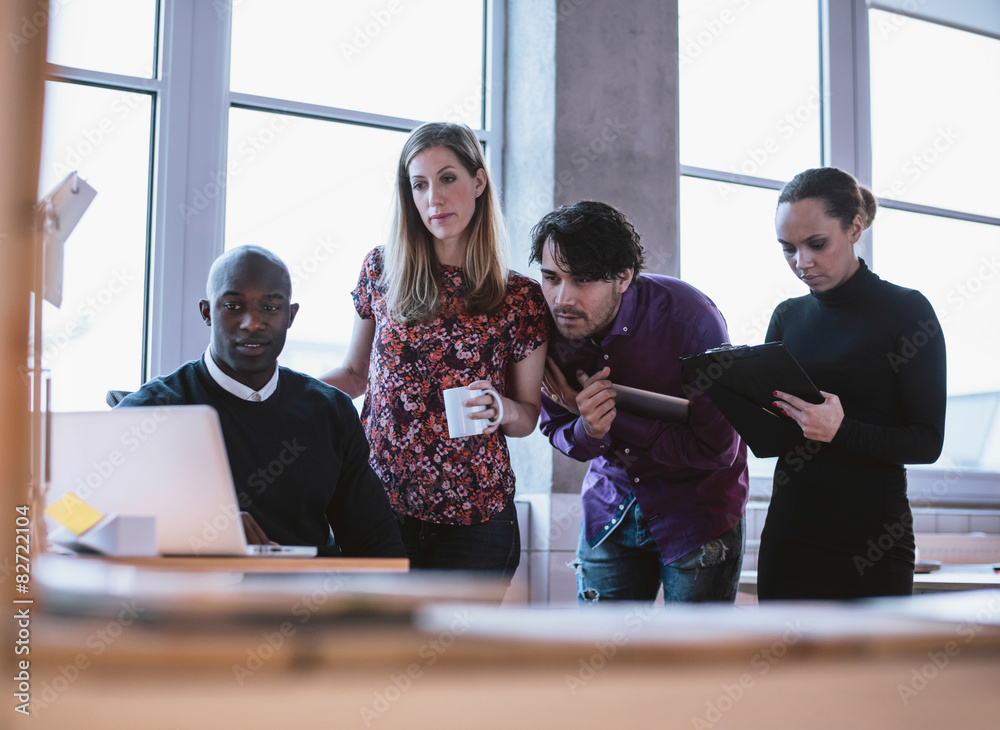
[[740, 381]]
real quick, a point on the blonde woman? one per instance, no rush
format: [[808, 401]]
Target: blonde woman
[[438, 308]]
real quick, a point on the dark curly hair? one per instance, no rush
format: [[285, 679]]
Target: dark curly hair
[[842, 196], [590, 239]]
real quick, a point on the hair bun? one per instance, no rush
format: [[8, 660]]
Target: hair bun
[[868, 205]]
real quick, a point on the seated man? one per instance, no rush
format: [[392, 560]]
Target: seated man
[[296, 446]]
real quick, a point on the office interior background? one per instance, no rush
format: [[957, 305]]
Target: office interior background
[[208, 124]]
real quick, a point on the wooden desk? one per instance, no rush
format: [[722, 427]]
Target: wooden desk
[[890, 665], [956, 578], [263, 564], [204, 589], [948, 578]]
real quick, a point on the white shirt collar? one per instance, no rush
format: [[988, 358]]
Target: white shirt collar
[[237, 388]]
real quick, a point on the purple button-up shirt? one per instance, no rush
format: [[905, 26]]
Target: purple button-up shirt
[[690, 478]]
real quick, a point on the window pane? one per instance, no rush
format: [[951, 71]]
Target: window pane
[[318, 194], [114, 36], [956, 265], [93, 343], [749, 86], [729, 250], [417, 59], [935, 114]]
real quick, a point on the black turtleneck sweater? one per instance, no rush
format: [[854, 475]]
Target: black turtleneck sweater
[[880, 349]]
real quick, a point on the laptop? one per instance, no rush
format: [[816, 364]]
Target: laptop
[[168, 462]]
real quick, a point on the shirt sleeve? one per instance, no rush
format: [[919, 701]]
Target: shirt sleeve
[[371, 272], [706, 440], [566, 432], [532, 319], [921, 383], [359, 513]]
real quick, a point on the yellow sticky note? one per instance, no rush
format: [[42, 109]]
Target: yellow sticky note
[[74, 514]]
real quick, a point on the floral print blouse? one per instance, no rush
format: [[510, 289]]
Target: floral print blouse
[[462, 481]]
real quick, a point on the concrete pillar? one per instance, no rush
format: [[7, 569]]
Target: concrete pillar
[[591, 113]]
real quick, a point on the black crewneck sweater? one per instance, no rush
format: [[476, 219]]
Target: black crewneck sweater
[[299, 459]]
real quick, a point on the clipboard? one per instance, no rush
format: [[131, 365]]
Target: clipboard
[[740, 381]]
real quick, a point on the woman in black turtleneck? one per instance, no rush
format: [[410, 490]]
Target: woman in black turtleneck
[[839, 524]]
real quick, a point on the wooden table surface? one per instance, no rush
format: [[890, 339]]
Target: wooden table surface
[[948, 578], [131, 653], [263, 564]]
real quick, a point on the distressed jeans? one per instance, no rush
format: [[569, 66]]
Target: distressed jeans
[[627, 566]]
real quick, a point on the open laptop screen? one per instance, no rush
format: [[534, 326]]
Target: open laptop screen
[[168, 462]]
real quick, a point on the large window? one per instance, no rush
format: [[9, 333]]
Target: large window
[[750, 100], [99, 112], [751, 115], [935, 150], [207, 124], [322, 97], [316, 193], [904, 96]]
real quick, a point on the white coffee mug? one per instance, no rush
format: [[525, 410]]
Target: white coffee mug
[[459, 422]]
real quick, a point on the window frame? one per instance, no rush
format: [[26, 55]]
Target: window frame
[[188, 156], [197, 35], [846, 142]]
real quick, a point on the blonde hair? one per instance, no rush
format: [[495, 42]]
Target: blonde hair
[[410, 264]]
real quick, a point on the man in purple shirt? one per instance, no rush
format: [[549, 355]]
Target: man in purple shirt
[[663, 501]]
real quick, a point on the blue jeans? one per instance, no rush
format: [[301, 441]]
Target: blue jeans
[[493, 546], [627, 566]]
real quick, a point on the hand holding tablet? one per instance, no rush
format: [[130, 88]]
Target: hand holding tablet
[[650, 404]]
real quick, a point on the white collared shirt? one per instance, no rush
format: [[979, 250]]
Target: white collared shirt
[[237, 388]]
